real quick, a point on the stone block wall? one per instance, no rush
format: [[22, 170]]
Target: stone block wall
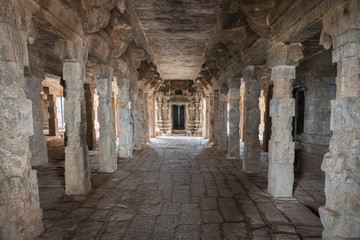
[[317, 76]]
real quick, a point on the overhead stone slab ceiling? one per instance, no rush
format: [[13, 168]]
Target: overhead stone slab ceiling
[[177, 32]]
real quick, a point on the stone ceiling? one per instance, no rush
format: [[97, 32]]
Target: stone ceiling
[[177, 31]]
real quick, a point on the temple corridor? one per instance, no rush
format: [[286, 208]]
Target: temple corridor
[[175, 188]]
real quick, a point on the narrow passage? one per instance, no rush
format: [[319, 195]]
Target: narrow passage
[[176, 188]]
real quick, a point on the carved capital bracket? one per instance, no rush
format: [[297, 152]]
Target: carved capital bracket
[[254, 72], [70, 51], [102, 71], [282, 54]]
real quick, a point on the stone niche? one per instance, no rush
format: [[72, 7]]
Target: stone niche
[[179, 109]]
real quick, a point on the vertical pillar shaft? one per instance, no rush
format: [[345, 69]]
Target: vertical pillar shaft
[[251, 162], [38, 146], [223, 100], [77, 169], [53, 121], [216, 126], [282, 109], [20, 212], [90, 116], [234, 119], [125, 121], [341, 213], [107, 146]]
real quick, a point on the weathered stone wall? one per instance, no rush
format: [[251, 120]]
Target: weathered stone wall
[[317, 76]]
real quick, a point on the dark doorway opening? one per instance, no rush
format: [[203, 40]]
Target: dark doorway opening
[[178, 117]]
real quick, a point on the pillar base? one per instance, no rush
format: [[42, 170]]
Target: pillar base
[[280, 179]]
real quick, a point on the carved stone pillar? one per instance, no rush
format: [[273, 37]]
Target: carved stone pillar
[[77, 169], [251, 159], [53, 121], [234, 119], [223, 100], [207, 118], [282, 59], [125, 120], [142, 121], [90, 116], [216, 115], [341, 213], [33, 88], [107, 145], [134, 98], [20, 212], [210, 117]]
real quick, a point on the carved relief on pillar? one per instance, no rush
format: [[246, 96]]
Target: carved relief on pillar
[[341, 213]]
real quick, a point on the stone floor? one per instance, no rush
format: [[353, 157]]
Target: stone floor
[[176, 188]]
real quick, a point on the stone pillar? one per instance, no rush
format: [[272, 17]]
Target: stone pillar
[[125, 120], [216, 114], [282, 59], [90, 116], [223, 100], [210, 117], [251, 159], [151, 115], [143, 118], [107, 141], [20, 212], [33, 87], [341, 213], [77, 169], [53, 121], [234, 119]]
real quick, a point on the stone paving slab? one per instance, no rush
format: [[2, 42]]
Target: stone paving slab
[[176, 188]]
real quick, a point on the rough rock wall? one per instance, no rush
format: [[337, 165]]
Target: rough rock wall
[[317, 75]]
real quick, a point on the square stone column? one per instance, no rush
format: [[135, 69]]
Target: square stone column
[[341, 213], [53, 120], [33, 87], [107, 141], [216, 114], [234, 119], [90, 116], [210, 117], [282, 59], [223, 100], [77, 169], [207, 122], [252, 76], [125, 121], [143, 121], [20, 212]]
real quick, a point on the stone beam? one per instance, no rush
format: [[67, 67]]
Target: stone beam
[[282, 59]]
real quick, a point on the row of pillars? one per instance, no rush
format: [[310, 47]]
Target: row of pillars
[[77, 169], [340, 215]]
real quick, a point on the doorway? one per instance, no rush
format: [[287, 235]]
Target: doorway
[[178, 117]]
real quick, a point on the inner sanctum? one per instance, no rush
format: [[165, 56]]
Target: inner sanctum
[[179, 119]]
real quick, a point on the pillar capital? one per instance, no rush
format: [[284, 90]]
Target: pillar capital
[[70, 51], [282, 54], [341, 19], [102, 71], [234, 83], [254, 72]]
